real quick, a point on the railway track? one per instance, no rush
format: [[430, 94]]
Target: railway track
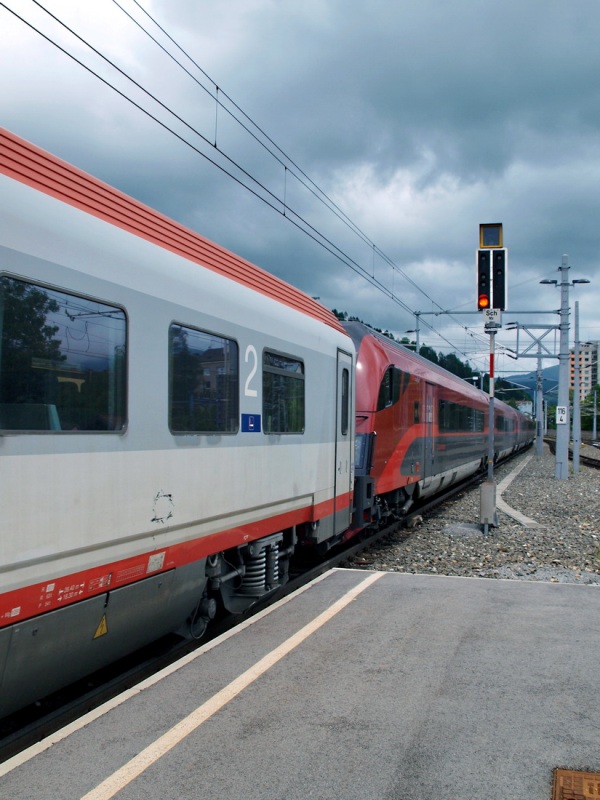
[[35, 723], [590, 459]]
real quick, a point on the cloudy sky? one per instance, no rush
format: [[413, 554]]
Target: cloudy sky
[[386, 130]]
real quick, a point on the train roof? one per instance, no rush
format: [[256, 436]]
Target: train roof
[[422, 366], [29, 164], [426, 369]]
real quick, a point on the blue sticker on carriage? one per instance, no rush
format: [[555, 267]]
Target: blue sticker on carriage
[[251, 423]]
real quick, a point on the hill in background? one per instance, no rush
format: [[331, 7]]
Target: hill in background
[[529, 379]]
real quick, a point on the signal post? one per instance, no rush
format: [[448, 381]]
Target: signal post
[[491, 300]]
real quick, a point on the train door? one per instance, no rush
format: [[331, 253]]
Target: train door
[[428, 435], [344, 456]]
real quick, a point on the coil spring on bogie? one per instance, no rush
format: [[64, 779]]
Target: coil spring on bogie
[[262, 570]]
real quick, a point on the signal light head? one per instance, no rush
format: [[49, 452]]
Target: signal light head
[[499, 279], [484, 283]]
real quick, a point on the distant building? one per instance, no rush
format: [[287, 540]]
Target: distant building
[[589, 353]]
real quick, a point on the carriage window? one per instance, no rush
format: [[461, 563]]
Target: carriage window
[[477, 421], [455, 417], [203, 382], [283, 394], [393, 383], [504, 424], [62, 361], [385, 391], [416, 413], [345, 402]]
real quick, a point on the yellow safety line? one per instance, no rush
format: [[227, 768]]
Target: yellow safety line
[[128, 772]]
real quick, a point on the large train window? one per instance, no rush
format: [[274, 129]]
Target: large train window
[[203, 382], [505, 424], [62, 361], [283, 394], [458, 418], [393, 383]]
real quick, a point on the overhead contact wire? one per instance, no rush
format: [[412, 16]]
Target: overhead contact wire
[[305, 226]]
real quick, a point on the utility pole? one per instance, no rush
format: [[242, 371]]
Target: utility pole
[[417, 331], [562, 409], [576, 397], [539, 405], [562, 430]]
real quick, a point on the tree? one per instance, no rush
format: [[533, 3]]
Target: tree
[[587, 410], [453, 364], [428, 353], [408, 344], [27, 340]]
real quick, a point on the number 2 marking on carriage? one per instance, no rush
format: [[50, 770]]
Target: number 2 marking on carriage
[[251, 351]]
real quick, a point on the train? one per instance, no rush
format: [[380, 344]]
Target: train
[[177, 423], [419, 428]]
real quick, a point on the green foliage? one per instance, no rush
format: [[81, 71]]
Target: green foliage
[[27, 338], [453, 364], [587, 410], [428, 353]]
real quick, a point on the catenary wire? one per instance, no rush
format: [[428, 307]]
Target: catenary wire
[[319, 193], [299, 222]]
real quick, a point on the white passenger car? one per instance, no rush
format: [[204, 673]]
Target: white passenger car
[[173, 422]]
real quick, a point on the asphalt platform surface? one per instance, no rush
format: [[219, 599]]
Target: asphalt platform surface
[[382, 686]]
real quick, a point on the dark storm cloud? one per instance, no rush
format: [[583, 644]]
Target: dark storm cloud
[[419, 120], [469, 81]]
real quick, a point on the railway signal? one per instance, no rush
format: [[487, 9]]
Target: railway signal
[[483, 279], [491, 268], [491, 300]]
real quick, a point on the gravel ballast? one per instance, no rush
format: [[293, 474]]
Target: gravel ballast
[[563, 548]]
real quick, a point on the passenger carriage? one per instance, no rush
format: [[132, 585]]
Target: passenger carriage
[[173, 421], [419, 428]]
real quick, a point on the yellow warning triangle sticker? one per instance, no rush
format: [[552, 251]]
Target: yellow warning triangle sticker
[[102, 628]]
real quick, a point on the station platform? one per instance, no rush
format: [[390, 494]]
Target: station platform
[[361, 686]]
